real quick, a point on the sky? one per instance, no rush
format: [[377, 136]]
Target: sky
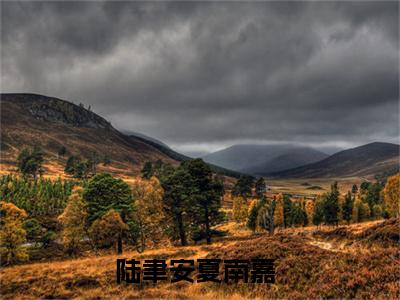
[[201, 76]]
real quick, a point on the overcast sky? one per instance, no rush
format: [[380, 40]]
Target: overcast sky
[[201, 76]]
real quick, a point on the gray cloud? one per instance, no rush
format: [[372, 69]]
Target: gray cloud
[[208, 75]]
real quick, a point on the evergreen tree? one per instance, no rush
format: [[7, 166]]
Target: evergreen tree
[[354, 189], [29, 162], [177, 203], [206, 194], [318, 215], [243, 186], [331, 205], [62, 151], [147, 170], [260, 187], [287, 211], [104, 192], [347, 208], [252, 219]]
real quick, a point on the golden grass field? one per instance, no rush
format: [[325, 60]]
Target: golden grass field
[[356, 261]]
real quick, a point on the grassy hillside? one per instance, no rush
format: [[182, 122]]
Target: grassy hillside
[[309, 264], [28, 119], [365, 160]]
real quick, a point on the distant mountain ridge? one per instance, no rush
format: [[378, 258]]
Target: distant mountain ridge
[[369, 159], [258, 159]]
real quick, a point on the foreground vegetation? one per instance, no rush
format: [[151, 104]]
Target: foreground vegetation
[[365, 267]]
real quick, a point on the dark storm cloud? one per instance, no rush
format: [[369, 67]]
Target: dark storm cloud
[[201, 75]]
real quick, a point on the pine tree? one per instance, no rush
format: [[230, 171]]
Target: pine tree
[[347, 208], [206, 194], [331, 206], [104, 192], [252, 219], [29, 162], [318, 215], [354, 189], [287, 211], [147, 170], [177, 203], [243, 186], [260, 187]]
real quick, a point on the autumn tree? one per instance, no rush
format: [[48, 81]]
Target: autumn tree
[[73, 220], [391, 195], [240, 209], [309, 208], [105, 229], [266, 215], [149, 213], [104, 192], [12, 234], [279, 213]]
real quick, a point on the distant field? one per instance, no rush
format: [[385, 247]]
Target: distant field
[[302, 186]]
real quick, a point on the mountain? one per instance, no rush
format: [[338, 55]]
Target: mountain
[[261, 159], [28, 119], [369, 159]]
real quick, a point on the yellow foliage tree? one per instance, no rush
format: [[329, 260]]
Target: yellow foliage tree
[[391, 195], [149, 214], [12, 234], [73, 220], [278, 215], [108, 229], [309, 205], [240, 209]]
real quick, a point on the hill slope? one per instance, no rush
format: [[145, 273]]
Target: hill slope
[[261, 159], [365, 160], [27, 119]]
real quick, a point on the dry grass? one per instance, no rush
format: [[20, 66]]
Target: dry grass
[[303, 270]]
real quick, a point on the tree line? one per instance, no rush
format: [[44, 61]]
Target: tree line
[[370, 201]]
